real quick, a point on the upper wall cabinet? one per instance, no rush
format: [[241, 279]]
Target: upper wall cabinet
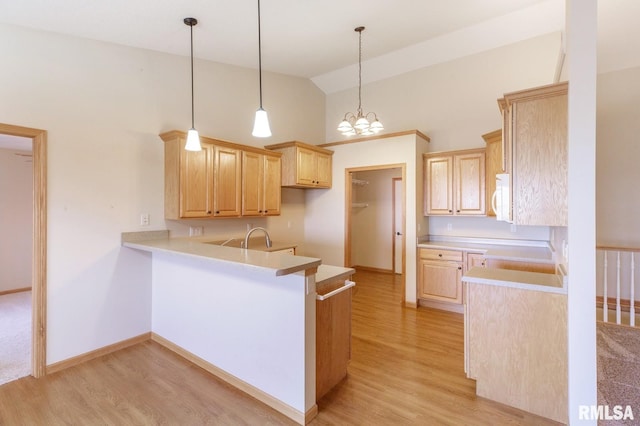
[[455, 183], [217, 181], [304, 165], [493, 165], [535, 132], [260, 184]]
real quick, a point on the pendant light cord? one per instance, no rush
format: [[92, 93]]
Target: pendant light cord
[[259, 55], [359, 30], [192, 91]]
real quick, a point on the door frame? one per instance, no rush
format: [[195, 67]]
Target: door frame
[[39, 257], [349, 199], [393, 226]]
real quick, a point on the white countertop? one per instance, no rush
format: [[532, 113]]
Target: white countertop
[[328, 273], [537, 281], [518, 250], [271, 263]]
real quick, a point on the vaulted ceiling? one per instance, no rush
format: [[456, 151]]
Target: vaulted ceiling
[[316, 39]]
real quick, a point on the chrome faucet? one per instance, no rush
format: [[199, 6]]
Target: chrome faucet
[[267, 240]]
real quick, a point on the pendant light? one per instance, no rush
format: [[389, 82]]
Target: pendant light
[[360, 123], [193, 139], [261, 127]]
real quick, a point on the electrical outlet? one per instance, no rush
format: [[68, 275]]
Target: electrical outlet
[[514, 228], [144, 219], [196, 231], [449, 227]]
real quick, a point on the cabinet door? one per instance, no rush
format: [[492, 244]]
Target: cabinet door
[[475, 260], [439, 186], [540, 161], [306, 166], [493, 166], [469, 180], [441, 281], [196, 182], [323, 168], [227, 182], [252, 171], [271, 188]]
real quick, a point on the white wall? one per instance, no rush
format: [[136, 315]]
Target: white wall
[[103, 106], [485, 227], [325, 213], [617, 154], [372, 226], [454, 103], [16, 219]]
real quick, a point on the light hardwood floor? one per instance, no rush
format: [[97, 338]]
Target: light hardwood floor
[[406, 369]]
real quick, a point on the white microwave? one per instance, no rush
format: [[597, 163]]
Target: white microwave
[[501, 199]]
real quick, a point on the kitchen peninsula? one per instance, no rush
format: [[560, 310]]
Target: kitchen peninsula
[[247, 316]]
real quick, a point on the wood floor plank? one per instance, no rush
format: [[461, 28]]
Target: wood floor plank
[[406, 369]]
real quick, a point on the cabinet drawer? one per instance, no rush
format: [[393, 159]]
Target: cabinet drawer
[[437, 254]]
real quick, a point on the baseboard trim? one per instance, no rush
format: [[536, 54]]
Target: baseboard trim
[[15, 290], [372, 269], [276, 404], [625, 304], [443, 306], [71, 362], [413, 305]]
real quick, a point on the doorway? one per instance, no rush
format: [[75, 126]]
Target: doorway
[[375, 219], [39, 258]]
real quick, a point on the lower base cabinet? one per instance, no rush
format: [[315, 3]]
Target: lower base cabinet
[[333, 336], [516, 347], [440, 277]]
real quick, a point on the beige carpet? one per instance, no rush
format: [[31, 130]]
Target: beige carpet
[[619, 369], [15, 336]]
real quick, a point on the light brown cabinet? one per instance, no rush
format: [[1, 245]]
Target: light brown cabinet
[[475, 260], [535, 131], [304, 165], [227, 180], [209, 183], [260, 184], [440, 275], [524, 332], [333, 336], [455, 183], [493, 165]]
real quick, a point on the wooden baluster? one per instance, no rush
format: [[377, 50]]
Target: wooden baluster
[[618, 313], [632, 308], [605, 304]]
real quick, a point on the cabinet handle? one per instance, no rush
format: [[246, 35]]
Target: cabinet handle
[[450, 211], [457, 211], [439, 254], [459, 268], [217, 211], [208, 211]]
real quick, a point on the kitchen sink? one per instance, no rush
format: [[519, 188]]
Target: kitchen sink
[[230, 242]]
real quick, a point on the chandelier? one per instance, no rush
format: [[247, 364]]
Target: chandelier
[[359, 123]]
